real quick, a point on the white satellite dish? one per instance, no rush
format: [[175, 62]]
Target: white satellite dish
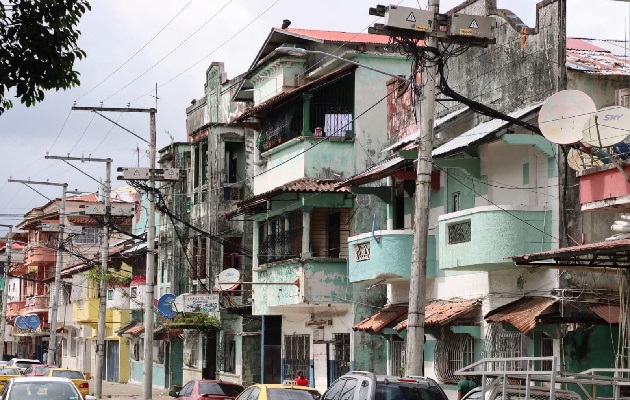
[[607, 127], [562, 116], [178, 304], [579, 160], [228, 279]]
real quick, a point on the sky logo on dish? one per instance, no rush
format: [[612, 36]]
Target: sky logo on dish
[[612, 117]]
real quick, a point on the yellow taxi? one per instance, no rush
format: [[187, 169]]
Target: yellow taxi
[[74, 375], [7, 373], [287, 390]]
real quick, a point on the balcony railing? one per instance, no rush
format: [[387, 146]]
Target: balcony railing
[[280, 246], [37, 304], [14, 307]]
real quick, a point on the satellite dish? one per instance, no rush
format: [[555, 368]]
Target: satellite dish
[[579, 161], [563, 115], [228, 279], [178, 304], [20, 322], [607, 127], [165, 305], [32, 321]]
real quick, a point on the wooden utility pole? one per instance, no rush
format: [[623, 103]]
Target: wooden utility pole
[[5, 275], [54, 303], [102, 292], [149, 316]]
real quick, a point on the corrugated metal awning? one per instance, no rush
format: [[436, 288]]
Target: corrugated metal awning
[[608, 254], [379, 171], [607, 312], [522, 313]]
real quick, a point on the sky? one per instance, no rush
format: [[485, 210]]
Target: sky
[[134, 46]]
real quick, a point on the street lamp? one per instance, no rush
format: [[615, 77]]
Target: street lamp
[[297, 51]]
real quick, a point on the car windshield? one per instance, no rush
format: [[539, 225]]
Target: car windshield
[[65, 373], [407, 391], [291, 394], [43, 390], [41, 370], [24, 364], [9, 371], [219, 388]]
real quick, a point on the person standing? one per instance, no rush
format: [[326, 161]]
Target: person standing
[[300, 379], [464, 386]]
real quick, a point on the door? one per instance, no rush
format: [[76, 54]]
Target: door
[[112, 360], [334, 235], [209, 370]]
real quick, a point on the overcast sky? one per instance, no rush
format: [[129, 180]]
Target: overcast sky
[[175, 41]]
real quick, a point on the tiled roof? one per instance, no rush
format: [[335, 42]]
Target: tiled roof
[[302, 185], [522, 313], [598, 57], [443, 312], [333, 36], [376, 172], [381, 319], [607, 312], [135, 331]]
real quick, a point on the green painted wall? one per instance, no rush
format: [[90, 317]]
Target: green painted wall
[[370, 351], [459, 181], [177, 362], [495, 236]]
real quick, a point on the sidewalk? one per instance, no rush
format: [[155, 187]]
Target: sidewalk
[[128, 391]]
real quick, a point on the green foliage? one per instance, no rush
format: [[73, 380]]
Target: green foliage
[[112, 278], [38, 48], [194, 320]]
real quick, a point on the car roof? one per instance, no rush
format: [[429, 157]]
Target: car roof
[[28, 379], [25, 359], [281, 386], [215, 381], [65, 369]]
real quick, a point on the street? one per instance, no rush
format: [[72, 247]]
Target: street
[[127, 391]]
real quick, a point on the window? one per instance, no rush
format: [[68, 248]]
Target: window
[[456, 201], [73, 345], [347, 393], [459, 232], [136, 350], [232, 253], [88, 236], [342, 354], [546, 350], [134, 292], [110, 294], [158, 351], [191, 351], [64, 346], [297, 352], [187, 390], [333, 392], [229, 352], [454, 351], [398, 355]]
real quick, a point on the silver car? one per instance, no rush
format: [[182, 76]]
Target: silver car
[[44, 388]]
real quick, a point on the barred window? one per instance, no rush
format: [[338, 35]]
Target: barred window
[[297, 352], [452, 352], [88, 236]]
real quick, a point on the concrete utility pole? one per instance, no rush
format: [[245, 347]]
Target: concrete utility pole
[[102, 291], [149, 316], [54, 303], [3, 321]]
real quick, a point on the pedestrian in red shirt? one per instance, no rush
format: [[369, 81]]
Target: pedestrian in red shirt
[[300, 379]]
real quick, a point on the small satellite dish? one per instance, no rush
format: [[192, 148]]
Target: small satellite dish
[[165, 305], [562, 116], [579, 161], [32, 321], [607, 127], [228, 279], [20, 322], [178, 304]]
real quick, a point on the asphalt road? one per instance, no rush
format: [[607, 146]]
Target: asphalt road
[[128, 391]]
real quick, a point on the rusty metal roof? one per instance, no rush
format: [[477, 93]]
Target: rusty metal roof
[[522, 313], [608, 254], [382, 318], [598, 57], [302, 185], [607, 312], [376, 172], [333, 36], [443, 312]]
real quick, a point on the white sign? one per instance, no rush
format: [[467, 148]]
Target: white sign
[[201, 303], [15, 257]]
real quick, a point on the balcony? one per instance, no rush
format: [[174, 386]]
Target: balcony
[[85, 311], [36, 304], [604, 188], [297, 283], [38, 254], [14, 308], [281, 246], [483, 238], [385, 256]]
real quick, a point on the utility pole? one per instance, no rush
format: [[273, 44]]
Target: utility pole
[[5, 274], [149, 316], [54, 303], [102, 291]]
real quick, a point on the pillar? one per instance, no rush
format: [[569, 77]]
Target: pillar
[[306, 114], [306, 232]]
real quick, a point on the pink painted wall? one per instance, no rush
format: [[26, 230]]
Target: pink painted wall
[[603, 185]]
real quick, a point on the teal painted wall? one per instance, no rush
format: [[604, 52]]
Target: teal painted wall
[[459, 181], [158, 375], [328, 159], [320, 282], [495, 236], [177, 362], [136, 371], [592, 347], [370, 350]]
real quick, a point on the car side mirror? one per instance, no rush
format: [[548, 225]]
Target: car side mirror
[[173, 393]]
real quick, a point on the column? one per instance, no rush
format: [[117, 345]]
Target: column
[[306, 231], [255, 243], [306, 115], [391, 204]]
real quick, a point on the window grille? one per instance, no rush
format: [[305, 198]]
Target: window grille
[[361, 251], [546, 350], [88, 236], [398, 356], [452, 352], [297, 352], [459, 232], [500, 343], [342, 355]]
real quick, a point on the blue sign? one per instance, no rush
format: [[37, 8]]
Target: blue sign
[[165, 305], [32, 321], [20, 322]]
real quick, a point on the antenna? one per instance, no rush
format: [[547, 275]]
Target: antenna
[[563, 115], [607, 127]]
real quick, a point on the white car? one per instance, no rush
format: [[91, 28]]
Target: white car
[[41, 388], [22, 363]]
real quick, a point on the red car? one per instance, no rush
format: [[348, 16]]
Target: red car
[[38, 370], [207, 390]]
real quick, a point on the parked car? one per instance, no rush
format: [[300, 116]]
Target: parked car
[[7, 373], [279, 392], [22, 363], [38, 369], [204, 389], [74, 375], [41, 388], [362, 385], [515, 392]]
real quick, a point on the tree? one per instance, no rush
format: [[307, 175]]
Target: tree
[[38, 48]]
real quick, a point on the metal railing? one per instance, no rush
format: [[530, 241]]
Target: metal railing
[[280, 246]]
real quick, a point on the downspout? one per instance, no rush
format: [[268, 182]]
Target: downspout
[[377, 238]]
